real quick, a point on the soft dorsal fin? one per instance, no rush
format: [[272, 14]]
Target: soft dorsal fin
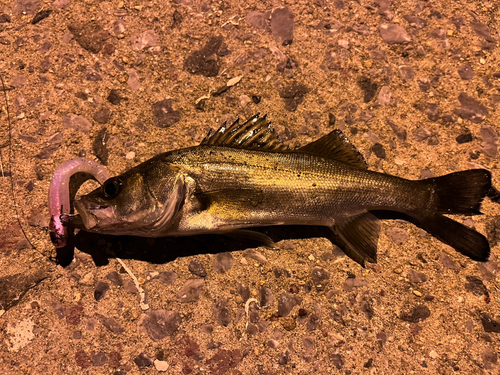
[[256, 134], [335, 145]]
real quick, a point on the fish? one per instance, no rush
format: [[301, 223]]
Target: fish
[[242, 176]]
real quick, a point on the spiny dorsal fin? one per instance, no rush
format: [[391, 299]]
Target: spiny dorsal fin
[[335, 145], [256, 134]]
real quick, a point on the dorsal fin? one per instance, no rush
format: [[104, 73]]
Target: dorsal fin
[[256, 134], [335, 145]]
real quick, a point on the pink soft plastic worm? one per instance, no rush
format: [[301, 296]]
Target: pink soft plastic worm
[[59, 199]]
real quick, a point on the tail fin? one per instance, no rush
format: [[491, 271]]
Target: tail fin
[[463, 239], [457, 193], [460, 192]]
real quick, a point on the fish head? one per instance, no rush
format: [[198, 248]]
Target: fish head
[[141, 202]]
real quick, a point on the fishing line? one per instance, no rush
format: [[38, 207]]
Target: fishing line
[[16, 209]]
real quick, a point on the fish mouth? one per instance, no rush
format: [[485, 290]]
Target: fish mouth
[[93, 215]]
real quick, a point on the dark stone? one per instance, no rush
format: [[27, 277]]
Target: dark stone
[[112, 325], [224, 360], [114, 97], [243, 291], [191, 290], [415, 21], [101, 288], [77, 122], [99, 359], [108, 49], [256, 99], [368, 87], [287, 65], [82, 359], [282, 25], [492, 231], [313, 322], [379, 150], [393, 34], [293, 95], [14, 287], [41, 16], [143, 361], [432, 111], [448, 119], [257, 19], [465, 137], [81, 95], [490, 358], [320, 277], [339, 4], [466, 72], [160, 323], [284, 358], [177, 18], [92, 75], [489, 144], [26, 6], [400, 132], [416, 277], [197, 268], [482, 30], [286, 303], [476, 286], [416, 314], [438, 34], [221, 312], [489, 324], [5, 18], [448, 262], [458, 21], [377, 54], [73, 314], [115, 278], [407, 73], [337, 360], [471, 109], [89, 36], [223, 262], [367, 309], [331, 120], [205, 61], [167, 277], [266, 297], [164, 115], [100, 146]]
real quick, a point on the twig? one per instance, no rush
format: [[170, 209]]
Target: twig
[[143, 304], [10, 166]]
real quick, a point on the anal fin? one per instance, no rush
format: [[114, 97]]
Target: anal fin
[[359, 233]]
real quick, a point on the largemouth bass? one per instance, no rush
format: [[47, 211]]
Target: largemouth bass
[[243, 176]]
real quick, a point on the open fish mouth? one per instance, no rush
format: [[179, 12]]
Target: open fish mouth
[[92, 215]]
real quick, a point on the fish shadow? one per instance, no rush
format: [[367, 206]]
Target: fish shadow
[[166, 249]]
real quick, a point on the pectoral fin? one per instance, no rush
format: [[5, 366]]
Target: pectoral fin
[[360, 236]]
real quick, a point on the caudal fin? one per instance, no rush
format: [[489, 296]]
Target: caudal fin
[[457, 193], [463, 239]]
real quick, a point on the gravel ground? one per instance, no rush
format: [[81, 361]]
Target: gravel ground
[[414, 85]]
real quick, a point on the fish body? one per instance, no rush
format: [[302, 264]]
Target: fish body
[[243, 177]]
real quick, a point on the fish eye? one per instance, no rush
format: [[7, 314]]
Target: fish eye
[[111, 188]]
